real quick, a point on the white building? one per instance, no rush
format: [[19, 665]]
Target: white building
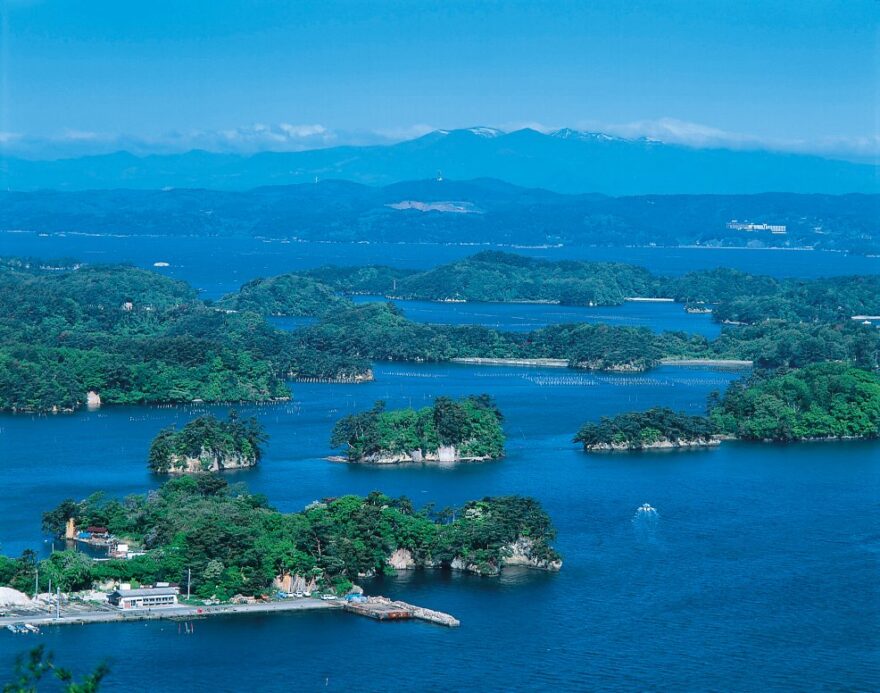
[[145, 598], [747, 226]]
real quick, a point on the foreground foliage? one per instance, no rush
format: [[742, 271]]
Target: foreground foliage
[[32, 667]]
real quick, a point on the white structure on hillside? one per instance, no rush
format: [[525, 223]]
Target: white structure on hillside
[[735, 225]]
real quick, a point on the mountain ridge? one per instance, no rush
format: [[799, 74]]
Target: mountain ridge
[[565, 160]]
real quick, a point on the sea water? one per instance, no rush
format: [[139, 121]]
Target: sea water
[[758, 571]]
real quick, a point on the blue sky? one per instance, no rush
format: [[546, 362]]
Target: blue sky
[[91, 76]]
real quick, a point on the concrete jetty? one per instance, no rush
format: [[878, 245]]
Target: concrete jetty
[[384, 609]]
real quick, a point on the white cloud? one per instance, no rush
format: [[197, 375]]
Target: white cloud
[[674, 131]]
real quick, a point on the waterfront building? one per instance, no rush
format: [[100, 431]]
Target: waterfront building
[[144, 598]]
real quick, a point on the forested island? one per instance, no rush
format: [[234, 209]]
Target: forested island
[[233, 542], [207, 444], [499, 277], [120, 335], [448, 431], [657, 428], [819, 401], [822, 401]]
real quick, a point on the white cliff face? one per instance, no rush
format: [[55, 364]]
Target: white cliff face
[[444, 454], [402, 559], [520, 553], [447, 453], [209, 463], [93, 399]]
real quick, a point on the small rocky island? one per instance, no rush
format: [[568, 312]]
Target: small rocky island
[[657, 428], [447, 431], [208, 444]]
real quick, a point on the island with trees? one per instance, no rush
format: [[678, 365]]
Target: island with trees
[[821, 401], [232, 542], [657, 428], [207, 444], [447, 431]]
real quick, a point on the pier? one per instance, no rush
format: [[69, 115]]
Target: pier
[[384, 609]]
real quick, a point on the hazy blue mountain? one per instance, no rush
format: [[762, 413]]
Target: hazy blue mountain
[[566, 161], [479, 211]]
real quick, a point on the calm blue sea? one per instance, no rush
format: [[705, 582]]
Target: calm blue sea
[[760, 573], [220, 265]]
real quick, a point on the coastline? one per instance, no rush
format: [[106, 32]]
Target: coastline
[[729, 363], [111, 615], [534, 363]]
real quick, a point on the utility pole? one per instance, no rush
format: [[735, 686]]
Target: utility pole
[[188, 581], [36, 582], [58, 602]]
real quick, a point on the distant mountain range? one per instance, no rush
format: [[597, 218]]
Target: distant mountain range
[[565, 161], [478, 211]]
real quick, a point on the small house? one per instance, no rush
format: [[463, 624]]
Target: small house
[[144, 598]]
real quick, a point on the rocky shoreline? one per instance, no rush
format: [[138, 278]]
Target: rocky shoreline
[[442, 455], [663, 444], [181, 464], [518, 553]]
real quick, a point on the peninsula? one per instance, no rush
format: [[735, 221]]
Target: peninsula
[[231, 542]]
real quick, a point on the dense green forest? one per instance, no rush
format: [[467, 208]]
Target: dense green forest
[[134, 336], [130, 335], [235, 543], [381, 332], [735, 296], [652, 428], [285, 294], [823, 400], [472, 426], [208, 444]]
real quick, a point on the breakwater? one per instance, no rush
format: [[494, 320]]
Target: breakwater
[[384, 609]]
